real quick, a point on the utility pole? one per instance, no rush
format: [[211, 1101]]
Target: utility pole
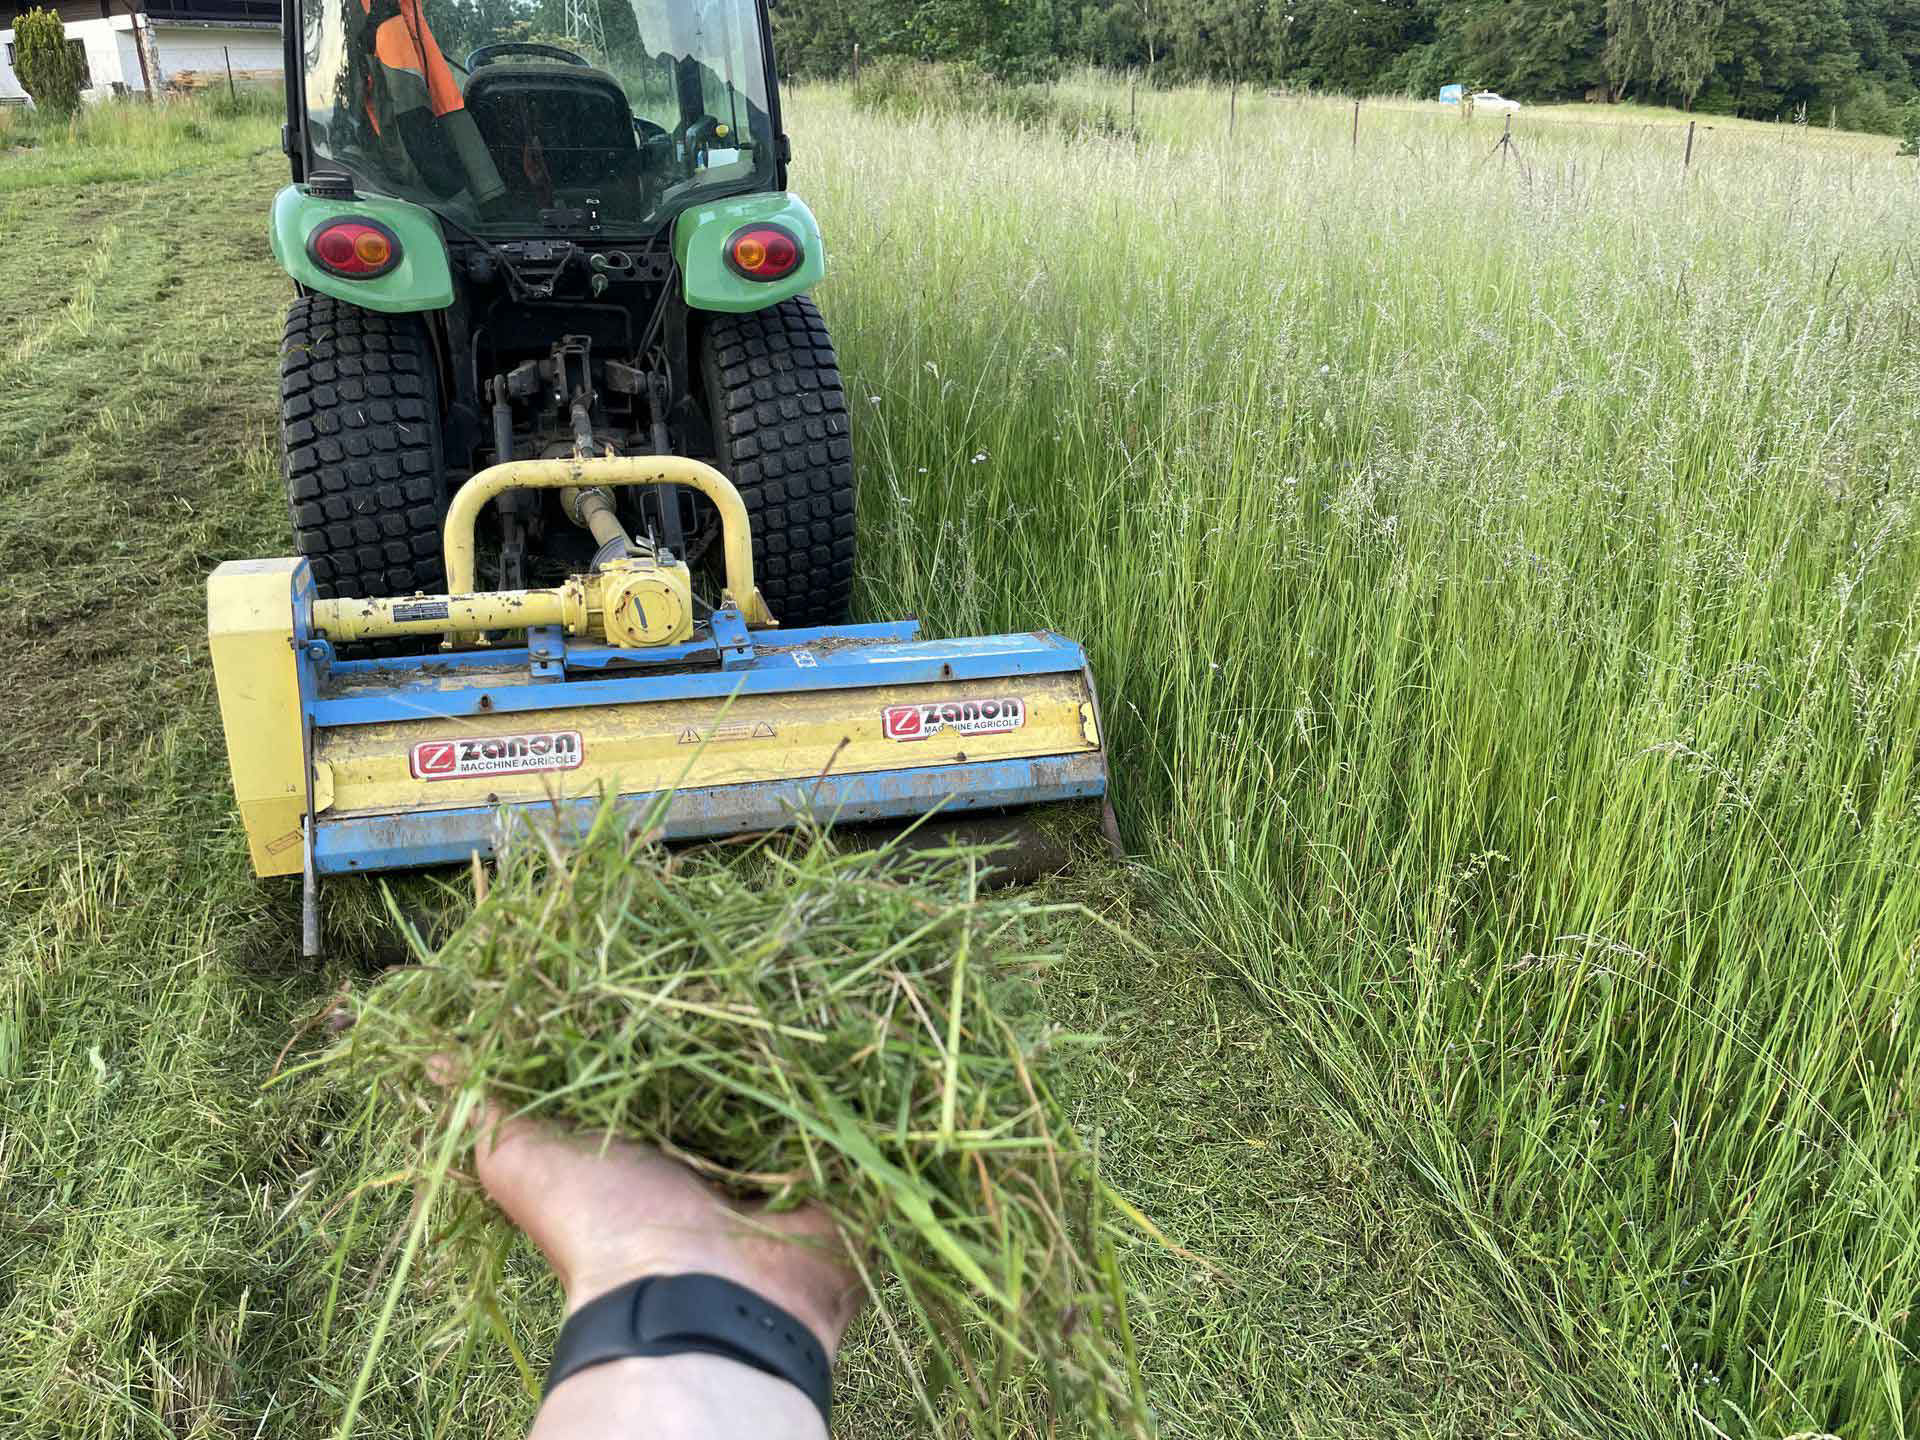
[[140, 39], [584, 28]]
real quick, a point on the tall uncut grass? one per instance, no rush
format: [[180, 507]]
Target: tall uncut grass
[[134, 139], [1501, 576]]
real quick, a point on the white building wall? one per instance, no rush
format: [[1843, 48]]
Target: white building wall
[[103, 55], [110, 57], [113, 56], [129, 59], [197, 47]]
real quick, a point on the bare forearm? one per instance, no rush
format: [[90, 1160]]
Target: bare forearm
[[676, 1397]]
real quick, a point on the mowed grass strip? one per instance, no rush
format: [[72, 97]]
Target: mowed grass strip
[[168, 1228]]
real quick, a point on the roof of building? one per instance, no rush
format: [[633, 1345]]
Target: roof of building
[[161, 12]]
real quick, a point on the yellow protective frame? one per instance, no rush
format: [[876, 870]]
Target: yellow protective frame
[[469, 610], [736, 530]]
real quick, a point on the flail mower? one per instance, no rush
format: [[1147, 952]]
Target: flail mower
[[568, 462]]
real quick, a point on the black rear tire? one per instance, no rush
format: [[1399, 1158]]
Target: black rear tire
[[360, 448], [779, 418]]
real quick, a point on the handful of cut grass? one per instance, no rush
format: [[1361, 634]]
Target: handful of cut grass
[[857, 1031]]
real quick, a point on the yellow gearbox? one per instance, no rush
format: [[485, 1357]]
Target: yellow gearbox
[[643, 602]]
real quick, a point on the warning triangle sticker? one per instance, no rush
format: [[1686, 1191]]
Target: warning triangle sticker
[[689, 736], [763, 731]]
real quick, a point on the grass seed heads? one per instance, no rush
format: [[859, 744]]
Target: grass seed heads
[[803, 1025]]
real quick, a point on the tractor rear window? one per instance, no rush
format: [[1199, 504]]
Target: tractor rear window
[[612, 129]]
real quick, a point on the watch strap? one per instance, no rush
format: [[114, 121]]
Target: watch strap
[[693, 1314]]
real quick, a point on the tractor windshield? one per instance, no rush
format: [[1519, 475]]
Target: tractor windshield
[[526, 117]]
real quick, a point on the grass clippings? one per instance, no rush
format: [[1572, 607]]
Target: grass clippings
[[854, 1030]]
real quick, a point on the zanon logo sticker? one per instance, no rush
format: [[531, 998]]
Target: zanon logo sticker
[[497, 755], [962, 717]]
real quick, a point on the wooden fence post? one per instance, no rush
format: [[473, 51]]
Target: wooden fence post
[[227, 55], [1686, 164], [1356, 125], [856, 67]]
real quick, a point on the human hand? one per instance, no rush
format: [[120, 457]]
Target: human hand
[[606, 1215]]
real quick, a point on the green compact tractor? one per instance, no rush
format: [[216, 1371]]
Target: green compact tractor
[[571, 480], [551, 250]]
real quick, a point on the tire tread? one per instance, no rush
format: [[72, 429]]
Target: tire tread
[[780, 423], [360, 449]]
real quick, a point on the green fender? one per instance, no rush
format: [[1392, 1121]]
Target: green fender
[[421, 281], [699, 245]]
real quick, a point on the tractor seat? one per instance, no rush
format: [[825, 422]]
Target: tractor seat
[[579, 117]]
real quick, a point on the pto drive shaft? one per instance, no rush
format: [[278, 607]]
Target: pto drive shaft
[[591, 508], [345, 621]]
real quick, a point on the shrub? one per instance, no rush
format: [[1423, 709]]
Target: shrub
[[1716, 99], [912, 90], [1869, 108], [1909, 129], [246, 102], [49, 68]]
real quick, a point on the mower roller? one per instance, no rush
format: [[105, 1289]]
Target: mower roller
[[562, 435]]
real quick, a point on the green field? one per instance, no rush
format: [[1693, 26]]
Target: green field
[[1501, 573]]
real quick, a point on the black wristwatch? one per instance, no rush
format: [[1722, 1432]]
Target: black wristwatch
[[693, 1315]]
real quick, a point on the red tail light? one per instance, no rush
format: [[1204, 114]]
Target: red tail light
[[763, 252], [358, 249]]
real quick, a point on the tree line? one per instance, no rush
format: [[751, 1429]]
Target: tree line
[[1851, 62]]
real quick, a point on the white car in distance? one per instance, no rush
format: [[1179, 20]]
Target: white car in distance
[[1494, 104]]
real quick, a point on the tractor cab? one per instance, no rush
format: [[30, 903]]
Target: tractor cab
[[612, 136]]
